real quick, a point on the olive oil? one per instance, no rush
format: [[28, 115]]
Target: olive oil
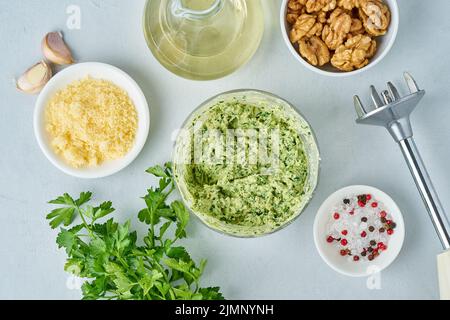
[[199, 5], [203, 39]]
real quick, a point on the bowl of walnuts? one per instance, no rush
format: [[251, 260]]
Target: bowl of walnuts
[[339, 37]]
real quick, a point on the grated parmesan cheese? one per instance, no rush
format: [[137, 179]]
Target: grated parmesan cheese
[[91, 121]]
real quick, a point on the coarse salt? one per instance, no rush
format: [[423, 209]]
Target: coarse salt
[[360, 227]]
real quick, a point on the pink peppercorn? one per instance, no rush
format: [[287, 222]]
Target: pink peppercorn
[[390, 232], [344, 232], [363, 234], [368, 197], [383, 214], [374, 204], [330, 239], [336, 216], [344, 242], [355, 258]]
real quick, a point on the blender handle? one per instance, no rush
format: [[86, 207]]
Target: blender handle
[[427, 191], [435, 210], [444, 274]]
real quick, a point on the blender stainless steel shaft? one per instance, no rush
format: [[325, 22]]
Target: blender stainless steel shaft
[[426, 190], [393, 112]]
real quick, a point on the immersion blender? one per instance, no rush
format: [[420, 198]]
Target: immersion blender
[[393, 112]]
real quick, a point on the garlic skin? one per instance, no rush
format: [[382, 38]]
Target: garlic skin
[[35, 78], [55, 49]]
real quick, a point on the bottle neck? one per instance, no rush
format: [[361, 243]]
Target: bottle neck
[[196, 9]]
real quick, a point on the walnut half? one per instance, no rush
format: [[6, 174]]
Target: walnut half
[[348, 4], [375, 16], [294, 10], [335, 33], [306, 25], [355, 53], [356, 28], [314, 50], [320, 5]]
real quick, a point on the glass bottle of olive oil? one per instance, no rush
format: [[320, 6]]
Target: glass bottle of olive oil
[[203, 39]]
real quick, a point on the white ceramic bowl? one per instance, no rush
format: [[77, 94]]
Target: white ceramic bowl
[[100, 71], [385, 43], [330, 254]]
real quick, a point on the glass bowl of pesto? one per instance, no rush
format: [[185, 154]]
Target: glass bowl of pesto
[[246, 163]]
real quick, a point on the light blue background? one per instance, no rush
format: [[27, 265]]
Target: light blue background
[[281, 266]]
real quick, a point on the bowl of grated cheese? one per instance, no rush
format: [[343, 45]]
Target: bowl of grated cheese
[[91, 120]]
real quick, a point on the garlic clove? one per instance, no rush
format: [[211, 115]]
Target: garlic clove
[[35, 78], [55, 49]]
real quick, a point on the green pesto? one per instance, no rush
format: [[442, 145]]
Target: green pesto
[[246, 195]]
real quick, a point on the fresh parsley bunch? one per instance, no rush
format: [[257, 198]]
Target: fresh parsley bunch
[[115, 264]]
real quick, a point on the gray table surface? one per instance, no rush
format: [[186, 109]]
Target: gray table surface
[[281, 266]]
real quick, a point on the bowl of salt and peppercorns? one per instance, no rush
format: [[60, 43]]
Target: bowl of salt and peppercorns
[[359, 231], [339, 37]]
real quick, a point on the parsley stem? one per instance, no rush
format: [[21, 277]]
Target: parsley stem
[[88, 228], [166, 278]]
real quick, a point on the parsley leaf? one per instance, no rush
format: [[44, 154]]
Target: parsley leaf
[[212, 293], [66, 214], [182, 218], [60, 216], [103, 210]]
